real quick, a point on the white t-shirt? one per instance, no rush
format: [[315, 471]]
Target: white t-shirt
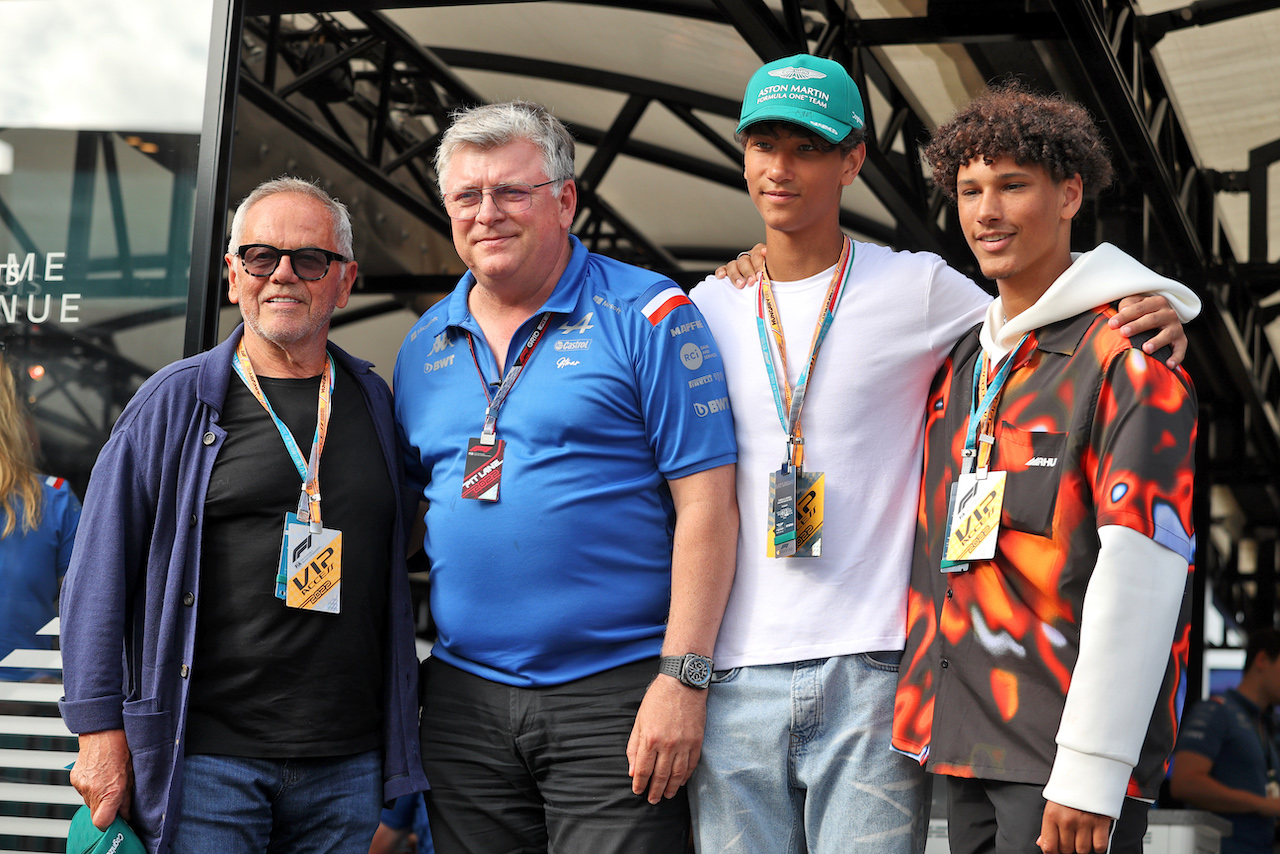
[[863, 424]]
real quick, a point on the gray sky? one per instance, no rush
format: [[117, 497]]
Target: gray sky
[[104, 64]]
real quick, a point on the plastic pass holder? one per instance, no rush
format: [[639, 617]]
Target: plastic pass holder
[[310, 575], [797, 501], [973, 519]]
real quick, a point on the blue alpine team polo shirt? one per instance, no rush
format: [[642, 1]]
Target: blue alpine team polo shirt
[[568, 574]]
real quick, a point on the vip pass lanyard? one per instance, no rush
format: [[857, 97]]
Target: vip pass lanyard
[[308, 469], [982, 412], [508, 382], [789, 407]]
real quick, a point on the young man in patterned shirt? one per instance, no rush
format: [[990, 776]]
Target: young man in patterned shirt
[[1045, 633]]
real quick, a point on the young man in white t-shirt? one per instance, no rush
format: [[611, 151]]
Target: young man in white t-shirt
[[796, 753]]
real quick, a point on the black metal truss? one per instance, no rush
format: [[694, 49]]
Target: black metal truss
[[1164, 211], [305, 104], [411, 81]]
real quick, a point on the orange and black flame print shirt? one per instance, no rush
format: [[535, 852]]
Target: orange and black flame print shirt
[[1091, 432]]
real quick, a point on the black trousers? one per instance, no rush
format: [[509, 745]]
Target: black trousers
[[995, 817], [538, 770]]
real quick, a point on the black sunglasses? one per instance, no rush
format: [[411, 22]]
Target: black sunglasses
[[309, 264]]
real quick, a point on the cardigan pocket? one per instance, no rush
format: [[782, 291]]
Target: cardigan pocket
[[151, 745]]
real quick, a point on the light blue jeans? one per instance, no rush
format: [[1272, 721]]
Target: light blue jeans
[[796, 758], [236, 805]]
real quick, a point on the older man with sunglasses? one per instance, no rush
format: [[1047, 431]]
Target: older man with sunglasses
[[238, 654]]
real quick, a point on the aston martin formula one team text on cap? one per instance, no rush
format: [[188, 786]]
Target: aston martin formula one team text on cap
[[810, 91]]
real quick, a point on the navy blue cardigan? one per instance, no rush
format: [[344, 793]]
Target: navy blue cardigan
[[128, 617]]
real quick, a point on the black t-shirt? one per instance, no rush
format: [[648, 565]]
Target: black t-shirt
[[269, 681]]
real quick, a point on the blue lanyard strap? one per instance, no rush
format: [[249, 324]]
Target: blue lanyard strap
[[985, 398], [787, 402], [308, 469]]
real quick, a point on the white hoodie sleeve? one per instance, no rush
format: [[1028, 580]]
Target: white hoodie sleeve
[[1127, 623]]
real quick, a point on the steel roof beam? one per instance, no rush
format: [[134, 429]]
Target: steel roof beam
[[701, 9], [958, 29], [608, 148], [337, 144], [1099, 33], [350, 159], [761, 29], [1202, 13], [564, 72]]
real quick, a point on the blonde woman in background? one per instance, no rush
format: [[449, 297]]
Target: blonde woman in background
[[38, 518]]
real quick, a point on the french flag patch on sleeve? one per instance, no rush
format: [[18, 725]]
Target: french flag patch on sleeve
[[663, 303], [55, 482]]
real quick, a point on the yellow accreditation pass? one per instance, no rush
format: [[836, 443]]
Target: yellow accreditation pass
[[974, 521], [809, 506], [311, 567]]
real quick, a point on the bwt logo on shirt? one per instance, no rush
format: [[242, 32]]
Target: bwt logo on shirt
[[711, 407], [428, 367]]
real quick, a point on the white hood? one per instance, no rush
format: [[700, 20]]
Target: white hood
[[1094, 278]]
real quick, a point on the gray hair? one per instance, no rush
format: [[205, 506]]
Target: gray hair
[[338, 212], [495, 125]]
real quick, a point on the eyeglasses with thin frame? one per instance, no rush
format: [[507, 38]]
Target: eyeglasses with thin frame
[[309, 263], [510, 198]]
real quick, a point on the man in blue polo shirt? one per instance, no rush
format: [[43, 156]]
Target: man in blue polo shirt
[[1226, 759], [566, 418]]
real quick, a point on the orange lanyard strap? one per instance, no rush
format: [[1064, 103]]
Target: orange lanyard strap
[[308, 468], [790, 403]]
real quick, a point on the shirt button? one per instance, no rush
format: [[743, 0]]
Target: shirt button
[[189, 599], [209, 438], [945, 665], [950, 593], [184, 671], [194, 521]]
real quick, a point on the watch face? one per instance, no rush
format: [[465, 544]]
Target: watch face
[[697, 670]]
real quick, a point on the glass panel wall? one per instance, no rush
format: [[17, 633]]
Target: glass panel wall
[[101, 105]]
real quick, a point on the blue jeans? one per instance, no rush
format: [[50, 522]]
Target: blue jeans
[[796, 758], [237, 805]]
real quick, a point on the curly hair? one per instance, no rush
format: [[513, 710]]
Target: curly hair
[[1010, 120]]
